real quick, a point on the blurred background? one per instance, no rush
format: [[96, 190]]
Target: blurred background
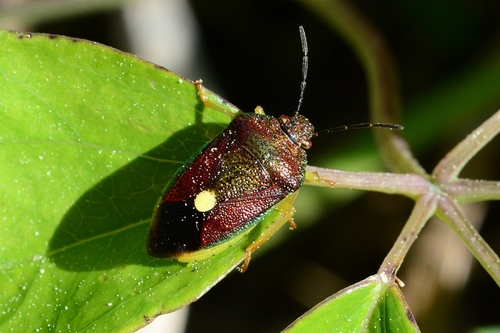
[[248, 51]]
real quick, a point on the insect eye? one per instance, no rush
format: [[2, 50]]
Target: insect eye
[[299, 129], [306, 144]]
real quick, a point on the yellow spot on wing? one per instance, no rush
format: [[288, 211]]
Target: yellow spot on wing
[[205, 201]]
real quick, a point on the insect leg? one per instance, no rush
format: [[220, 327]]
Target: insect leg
[[312, 178], [220, 104], [286, 212]]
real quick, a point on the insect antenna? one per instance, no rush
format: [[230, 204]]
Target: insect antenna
[[305, 65], [360, 126]]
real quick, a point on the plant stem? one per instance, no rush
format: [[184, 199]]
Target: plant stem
[[423, 210], [451, 165], [382, 76], [409, 185], [450, 212], [472, 190]]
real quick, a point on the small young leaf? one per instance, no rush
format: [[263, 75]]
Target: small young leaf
[[372, 305]]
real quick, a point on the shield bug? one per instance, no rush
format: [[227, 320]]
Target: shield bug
[[252, 169]]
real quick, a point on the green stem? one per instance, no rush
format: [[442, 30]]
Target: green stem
[[423, 210], [450, 212], [408, 185], [472, 190], [452, 164], [382, 76]]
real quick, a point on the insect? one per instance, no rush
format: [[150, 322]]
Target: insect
[[252, 169]]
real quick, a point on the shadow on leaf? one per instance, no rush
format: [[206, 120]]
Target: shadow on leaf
[[108, 226]]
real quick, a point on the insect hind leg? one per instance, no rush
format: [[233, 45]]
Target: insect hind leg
[[286, 209]]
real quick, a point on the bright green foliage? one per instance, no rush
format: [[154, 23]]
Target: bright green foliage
[[372, 306], [89, 136]]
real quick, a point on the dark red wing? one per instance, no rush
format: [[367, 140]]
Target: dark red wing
[[201, 172], [176, 225], [237, 214], [244, 192]]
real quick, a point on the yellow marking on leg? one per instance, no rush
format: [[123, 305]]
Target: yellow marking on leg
[[312, 178], [259, 110], [225, 107]]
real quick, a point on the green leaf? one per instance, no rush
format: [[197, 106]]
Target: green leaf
[[89, 136], [372, 305]]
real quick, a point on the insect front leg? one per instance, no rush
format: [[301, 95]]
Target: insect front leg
[[312, 178], [216, 102]]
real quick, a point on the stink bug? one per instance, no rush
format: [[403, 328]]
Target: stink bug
[[254, 167]]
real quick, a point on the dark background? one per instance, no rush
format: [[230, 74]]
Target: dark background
[[253, 49]]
